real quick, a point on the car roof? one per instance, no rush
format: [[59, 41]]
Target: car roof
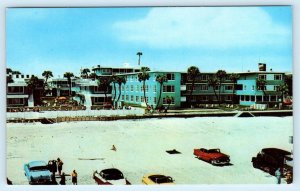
[[37, 163], [275, 152], [111, 171]]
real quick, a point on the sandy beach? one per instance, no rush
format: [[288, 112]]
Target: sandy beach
[[141, 146]]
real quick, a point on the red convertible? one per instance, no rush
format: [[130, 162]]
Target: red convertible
[[213, 156]]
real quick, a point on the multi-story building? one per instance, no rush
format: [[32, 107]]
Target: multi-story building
[[102, 71], [132, 91], [249, 93], [60, 86]]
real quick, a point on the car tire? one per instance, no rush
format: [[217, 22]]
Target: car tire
[[213, 162]]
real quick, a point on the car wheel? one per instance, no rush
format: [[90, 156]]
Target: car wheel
[[213, 162]]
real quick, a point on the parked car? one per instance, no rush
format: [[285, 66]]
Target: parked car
[[110, 176], [157, 179], [37, 172], [270, 159], [213, 156]]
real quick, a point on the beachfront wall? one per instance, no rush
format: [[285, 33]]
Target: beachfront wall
[[132, 92], [202, 93], [249, 94]]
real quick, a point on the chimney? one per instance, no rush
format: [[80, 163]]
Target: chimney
[[262, 67]]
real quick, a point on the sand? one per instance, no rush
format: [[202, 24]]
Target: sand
[[141, 146]]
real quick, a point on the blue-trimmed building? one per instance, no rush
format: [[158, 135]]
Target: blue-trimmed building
[[132, 92]]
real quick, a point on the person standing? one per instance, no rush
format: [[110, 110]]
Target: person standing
[[63, 179], [278, 175], [59, 165], [74, 177]]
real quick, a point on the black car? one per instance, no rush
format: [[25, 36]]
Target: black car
[[270, 159]]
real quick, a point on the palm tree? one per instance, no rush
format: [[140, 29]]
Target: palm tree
[[9, 79], [104, 83], [16, 72], [114, 80], [86, 72], [143, 76], [192, 73], [214, 83], [8, 70], [32, 84], [234, 77], [121, 80], [289, 81], [69, 75], [139, 54], [161, 79], [47, 74], [221, 75]]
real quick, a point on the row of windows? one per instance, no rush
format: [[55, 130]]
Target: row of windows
[[166, 88], [276, 76], [206, 98], [15, 89], [23, 76], [138, 99], [204, 87], [258, 98], [15, 101]]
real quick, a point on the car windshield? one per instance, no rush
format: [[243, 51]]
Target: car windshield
[[164, 180], [113, 176], [213, 151], [38, 168]]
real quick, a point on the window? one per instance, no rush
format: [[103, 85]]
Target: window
[[228, 97], [22, 76], [146, 88], [98, 99], [242, 97], [17, 76], [142, 99], [127, 88], [168, 88], [142, 88], [228, 87], [277, 77], [127, 98], [261, 88], [154, 88], [147, 99], [122, 87], [170, 76], [27, 76], [253, 87], [131, 88], [204, 98], [137, 99], [137, 88], [189, 87], [122, 97], [258, 98], [15, 89], [262, 76], [252, 98], [16, 101], [203, 87], [273, 98], [131, 98], [154, 100], [266, 98], [276, 88], [247, 98], [239, 87], [97, 89], [217, 87], [204, 77], [245, 87]]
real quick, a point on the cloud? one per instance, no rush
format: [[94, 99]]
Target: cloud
[[209, 27]]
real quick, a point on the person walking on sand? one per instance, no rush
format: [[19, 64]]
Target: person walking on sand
[[278, 175], [63, 179], [59, 165], [74, 177]]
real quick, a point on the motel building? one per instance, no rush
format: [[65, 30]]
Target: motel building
[[132, 92], [249, 94]]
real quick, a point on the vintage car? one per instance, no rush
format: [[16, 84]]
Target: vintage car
[[157, 179], [270, 159], [213, 156], [110, 176], [37, 172]]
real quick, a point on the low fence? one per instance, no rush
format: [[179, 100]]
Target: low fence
[[79, 113]]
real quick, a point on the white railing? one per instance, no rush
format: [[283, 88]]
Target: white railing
[[79, 113]]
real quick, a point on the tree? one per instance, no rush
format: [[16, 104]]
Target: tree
[[85, 72], [8, 70], [69, 75], [169, 100], [16, 72], [214, 83], [289, 82], [192, 73], [234, 77], [261, 84], [121, 80], [46, 74], [283, 89], [161, 79], [114, 80], [139, 54], [32, 84], [221, 75], [9, 79], [143, 76], [93, 76], [104, 83]]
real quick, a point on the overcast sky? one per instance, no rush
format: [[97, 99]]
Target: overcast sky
[[231, 38]]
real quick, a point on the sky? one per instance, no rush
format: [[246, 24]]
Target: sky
[[234, 39]]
